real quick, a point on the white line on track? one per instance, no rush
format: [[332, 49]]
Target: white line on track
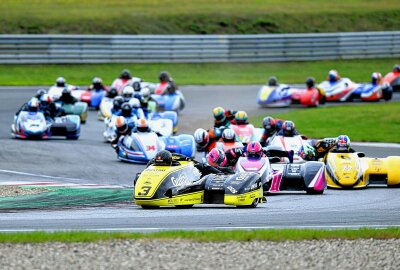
[[50, 183], [375, 144]]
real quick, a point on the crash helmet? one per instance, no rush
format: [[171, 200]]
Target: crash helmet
[[127, 92], [217, 158], [163, 158], [45, 100], [254, 149], [172, 87], [164, 76], [201, 137], [376, 78], [145, 92], [228, 135], [396, 68], [343, 143], [307, 152], [121, 125], [60, 82], [66, 92], [333, 75], [241, 117], [117, 102], [33, 105], [219, 114], [272, 81], [126, 109], [125, 75], [97, 83], [310, 82], [268, 124], [142, 125], [135, 103], [113, 92], [136, 86], [40, 93], [288, 128]]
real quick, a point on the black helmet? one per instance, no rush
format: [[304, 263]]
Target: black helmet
[[164, 76], [272, 81], [97, 83], [163, 158], [60, 82], [172, 87], [66, 92], [126, 109], [310, 82], [269, 124], [126, 74], [40, 93], [117, 102], [136, 86], [396, 68], [113, 92]]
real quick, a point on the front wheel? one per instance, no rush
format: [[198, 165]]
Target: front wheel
[[311, 191], [253, 205]]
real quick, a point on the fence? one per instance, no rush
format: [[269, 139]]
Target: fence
[[30, 49]]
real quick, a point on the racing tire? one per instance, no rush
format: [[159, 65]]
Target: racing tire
[[150, 207], [72, 137], [253, 205], [184, 206], [387, 94], [311, 191]]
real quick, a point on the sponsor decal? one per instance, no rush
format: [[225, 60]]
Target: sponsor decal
[[293, 169], [181, 180], [232, 189], [241, 177], [151, 148]]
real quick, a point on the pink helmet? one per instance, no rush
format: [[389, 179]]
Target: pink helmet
[[254, 149], [217, 158]]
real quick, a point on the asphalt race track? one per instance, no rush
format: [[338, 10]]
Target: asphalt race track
[[92, 161]]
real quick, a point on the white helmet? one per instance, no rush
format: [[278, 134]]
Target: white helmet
[[228, 135], [128, 91], [134, 102], [146, 92]]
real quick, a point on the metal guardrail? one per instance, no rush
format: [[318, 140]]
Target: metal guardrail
[[29, 49]]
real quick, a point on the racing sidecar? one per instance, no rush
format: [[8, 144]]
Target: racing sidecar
[[105, 107], [33, 125], [246, 133], [308, 97], [293, 143], [93, 97], [352, 170], [373, 92], [140, 147], [170, 102], [285, 177], [393, 78], [278, 96], [181, 185], [78, 108], [338, 91]]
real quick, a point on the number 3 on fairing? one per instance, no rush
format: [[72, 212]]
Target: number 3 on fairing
[[145, 190]]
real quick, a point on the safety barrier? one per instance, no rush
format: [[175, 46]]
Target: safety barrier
[[30, 49]]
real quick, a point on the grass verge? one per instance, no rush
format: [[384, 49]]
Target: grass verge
[[371, 122], [205, 73], [196, 17], [236, 235]]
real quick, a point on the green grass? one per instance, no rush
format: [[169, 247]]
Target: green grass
[[237, 235], [196, 17], [372, 122], [207, 73]]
